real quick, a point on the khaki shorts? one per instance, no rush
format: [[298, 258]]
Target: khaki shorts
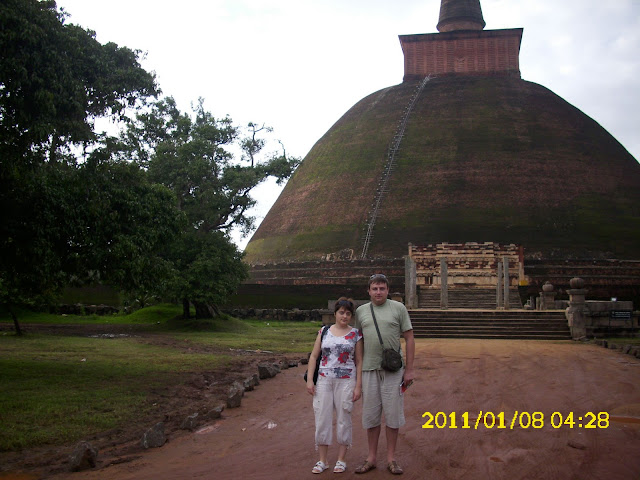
[[381, 394]]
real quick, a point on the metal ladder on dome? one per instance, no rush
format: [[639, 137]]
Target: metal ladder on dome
[[389, 167]]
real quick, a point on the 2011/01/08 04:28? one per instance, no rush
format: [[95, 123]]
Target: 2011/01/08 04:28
[[517, 420]]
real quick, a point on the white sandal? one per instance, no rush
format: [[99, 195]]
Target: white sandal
[[319, 467], [340, 467]]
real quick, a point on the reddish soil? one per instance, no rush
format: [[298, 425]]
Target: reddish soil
[[271, 434]]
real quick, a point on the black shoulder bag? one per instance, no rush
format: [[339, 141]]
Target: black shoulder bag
[[315, 373], [391, 360]]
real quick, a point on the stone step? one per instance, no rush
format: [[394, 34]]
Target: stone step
[[512, 326], [507, 324], [454, 314], [484, 314], [489, 323], [490, 336], [429, 297], [488, 328]]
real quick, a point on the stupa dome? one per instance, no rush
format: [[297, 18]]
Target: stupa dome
[[483, 158]]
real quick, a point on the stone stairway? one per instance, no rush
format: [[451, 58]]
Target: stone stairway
[[488, 324], [382, 187], [473, 298]]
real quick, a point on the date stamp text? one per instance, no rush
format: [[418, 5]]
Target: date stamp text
[[518, 419]]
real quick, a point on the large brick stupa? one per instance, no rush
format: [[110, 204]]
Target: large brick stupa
[[463, 150]]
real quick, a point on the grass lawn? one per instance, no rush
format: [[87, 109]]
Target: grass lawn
[[151, 315], [58, 389]]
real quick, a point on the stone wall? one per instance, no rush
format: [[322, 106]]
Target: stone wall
[[602, 322], [588, 319], [280, 314], [604, 278], [83, 309], [327, 279], [339, 272], [475, 264]]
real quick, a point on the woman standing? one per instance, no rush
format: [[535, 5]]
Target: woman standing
[[339, 383]]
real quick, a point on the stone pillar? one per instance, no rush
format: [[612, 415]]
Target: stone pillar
[[521, 277], [444, 287], [547, 297], [410, 283], [499, 300], [576, 313], [505, 261]]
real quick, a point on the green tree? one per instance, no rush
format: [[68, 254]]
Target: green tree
[[96, 221], [208, 268], [33, 237], [195, 158], [55, 80], [126, 221]]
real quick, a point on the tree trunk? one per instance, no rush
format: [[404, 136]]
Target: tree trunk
[[186, 309], [206, 310], [15, 322]]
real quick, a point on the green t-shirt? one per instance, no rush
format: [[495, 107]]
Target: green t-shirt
[[393, 320]]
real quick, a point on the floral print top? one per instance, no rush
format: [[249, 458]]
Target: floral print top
[[338, 355]]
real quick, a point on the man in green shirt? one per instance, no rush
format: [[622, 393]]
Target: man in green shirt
[[381, 390]]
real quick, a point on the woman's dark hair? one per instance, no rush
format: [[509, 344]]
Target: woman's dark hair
[[346, 303]]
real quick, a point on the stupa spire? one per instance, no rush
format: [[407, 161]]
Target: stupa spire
[[460, 15]]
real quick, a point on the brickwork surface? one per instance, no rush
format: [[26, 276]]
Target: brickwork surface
[[466, 53]]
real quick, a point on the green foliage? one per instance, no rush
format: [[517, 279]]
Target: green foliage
[[128, 221], [155, 315], [147, 212], [56, 79], [34, 229], [90, 222], [194, 158], [207, 267]]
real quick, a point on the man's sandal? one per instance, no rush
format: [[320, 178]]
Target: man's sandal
[[365, 467], [394, 468], [340, 467], [319, 467]]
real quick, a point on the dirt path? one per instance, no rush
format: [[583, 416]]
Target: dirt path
[[271, 435]]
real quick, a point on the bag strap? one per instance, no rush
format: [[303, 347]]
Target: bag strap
[[325, 329], [376, 324]]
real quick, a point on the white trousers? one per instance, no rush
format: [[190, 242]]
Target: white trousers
[[333, 394]]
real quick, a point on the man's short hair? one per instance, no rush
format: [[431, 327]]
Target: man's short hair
[[378, 278]]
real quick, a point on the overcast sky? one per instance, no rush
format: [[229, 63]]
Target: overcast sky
[[299, 65]]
